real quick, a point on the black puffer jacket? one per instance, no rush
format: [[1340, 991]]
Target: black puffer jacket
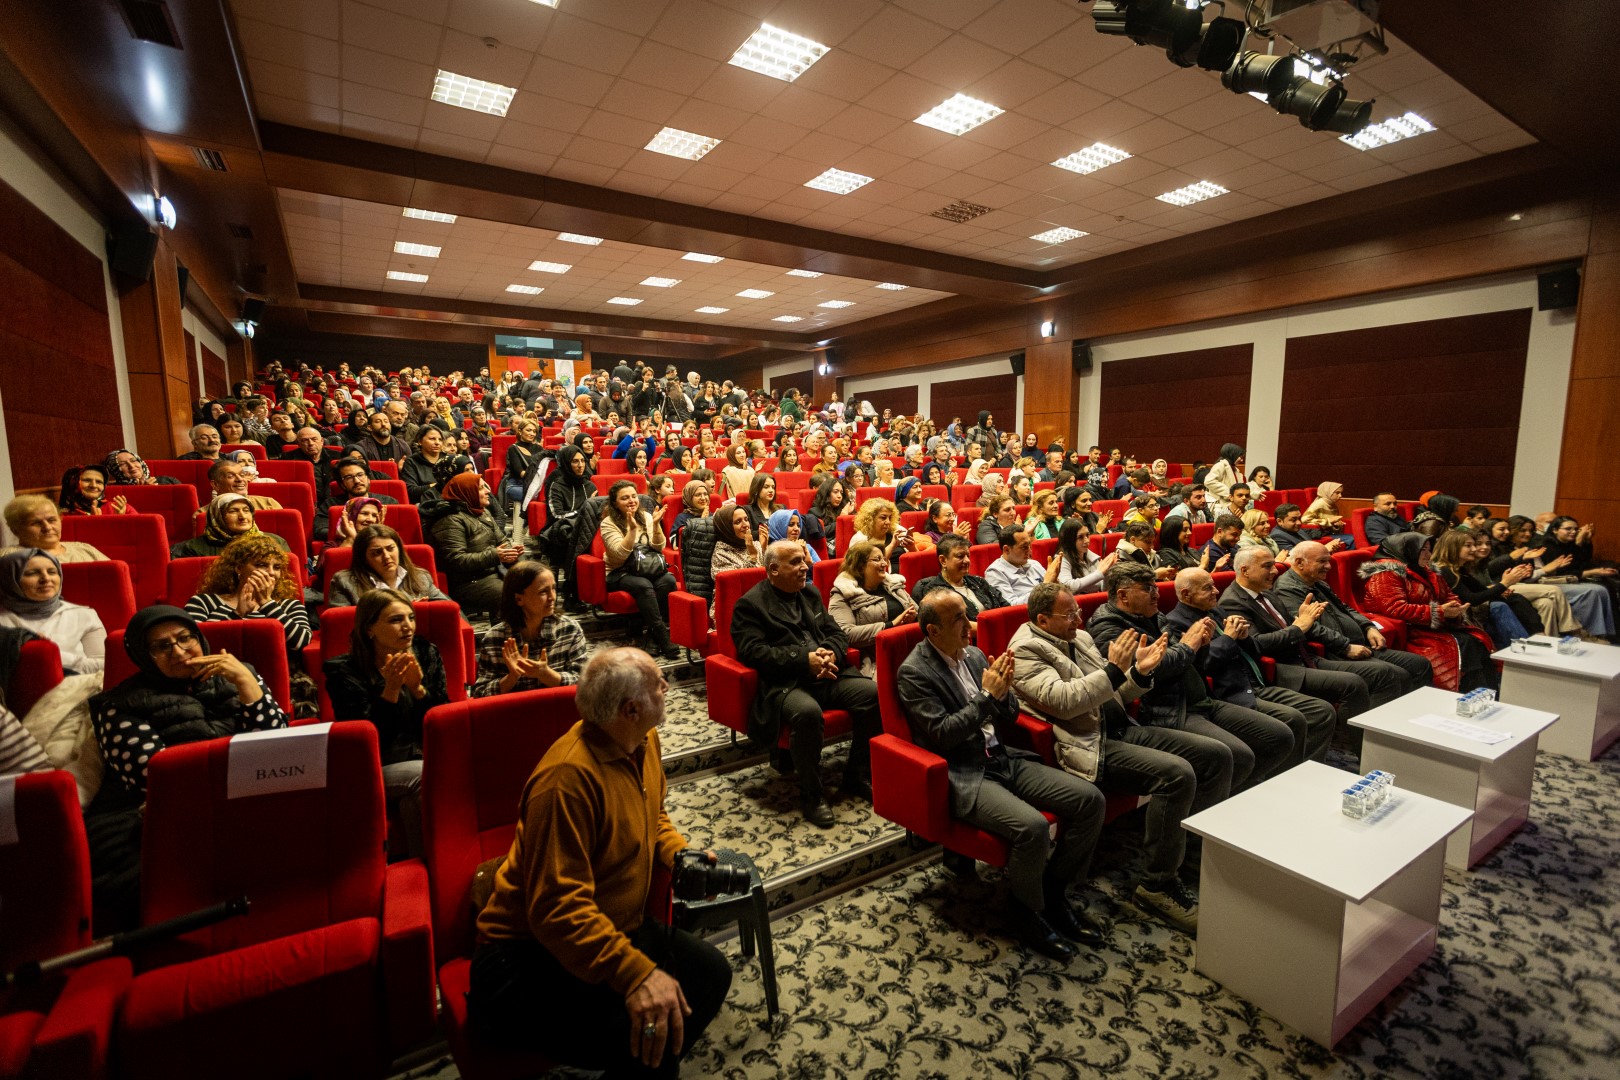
[[464, 543], [697, 557]]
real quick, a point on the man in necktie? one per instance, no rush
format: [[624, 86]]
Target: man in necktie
[[1283, 639]]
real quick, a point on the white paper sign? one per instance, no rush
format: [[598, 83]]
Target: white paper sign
[[8, 810], [1461, 728], [287, 759]]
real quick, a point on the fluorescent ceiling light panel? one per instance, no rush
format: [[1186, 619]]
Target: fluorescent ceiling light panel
[[429, 215], [661, 282], [545, 3], [1393, 130], [1094, 157], [579, 238], [838, 181], [627, 301], [400, 275], [526, 290], [551, 267], [1061, 234], [892, 286], [958, 115], [475, 94], [836, 303], [755, 294], [804, 273], [698, 256], [427, 251], [681, 144], [1192, 193], [779, 53], [788, 318], [712, 310]]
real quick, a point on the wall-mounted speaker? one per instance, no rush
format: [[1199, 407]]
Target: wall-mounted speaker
[[253, 309], [1017, 362], [1558, 289], [130, 250], [1080, 356], [185, 279]]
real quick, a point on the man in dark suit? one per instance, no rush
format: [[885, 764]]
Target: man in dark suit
[[962, 707], [782, 631], [1385, 520], [1343, 628], [1282, 639], [1232, 663]]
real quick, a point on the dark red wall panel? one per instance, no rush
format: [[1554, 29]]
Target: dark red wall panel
[[1178, 406], [901, 399], [966, 397], [1407, 408], [214, 384], [802, 381], [57, 376]]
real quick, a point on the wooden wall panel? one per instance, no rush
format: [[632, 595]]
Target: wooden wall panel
[[1408, 408], [1051, 393], [193, 376], [899, 399], [57, 376], [802, 381], [1178, 406], [214, 382], [965, 397], [1592, 413]]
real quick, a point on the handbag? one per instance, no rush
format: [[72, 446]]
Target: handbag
[[646, 561]]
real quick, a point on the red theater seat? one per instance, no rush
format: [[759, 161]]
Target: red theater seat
[[605, 481], [593, 589], [105, 586], [916, 565], [439, 621], [980, 556], [39, 669], [139, 540], [336, 560], [329, 974], [175, 503], [292, 471], [1344, 574], [262, 643], [292, 527], [403, 518], [62, 1026]]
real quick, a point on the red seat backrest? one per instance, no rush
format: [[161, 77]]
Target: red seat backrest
[[1089, 603], [140, 540], [893, 646], [260, 642], [335, 560], [605, 481], [175, 503], [437, 620], [291, 471], [843, 532], [914, 519], [200, 848], [1167, 596], [729, 587], [389, 469], [1358, 525], [181, 577], [498, 448], [1044, 550], [672, 507], [823, 574], [916, 565], [792, 480], [1102, 543], [105, 586], [1270, 500], [997, 627], [299, 497], [965, 495], [1202, 532], [45, 874], [477, 756], [1116, 507], [1344, 574], [253, 448], [612, 466], [980, 556], [292, 527], [189, 471], [38, 671], [1114, 472], [403, 518]]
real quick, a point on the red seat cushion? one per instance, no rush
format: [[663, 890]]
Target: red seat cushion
[[478, 1060]]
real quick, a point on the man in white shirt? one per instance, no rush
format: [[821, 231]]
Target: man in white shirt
[[1016, 573]]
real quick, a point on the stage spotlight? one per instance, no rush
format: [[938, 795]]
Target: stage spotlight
[[1215, 47], [1350, 117], [1165, 23], [1258, 73], [1313, 103]]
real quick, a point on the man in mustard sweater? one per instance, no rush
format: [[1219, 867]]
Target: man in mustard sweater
[[568, 964]]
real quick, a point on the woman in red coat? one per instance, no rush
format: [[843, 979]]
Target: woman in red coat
[[1401, 585]]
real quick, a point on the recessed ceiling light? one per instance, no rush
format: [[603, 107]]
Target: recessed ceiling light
[[755, 294], [1389, 131], [545, 3], [429, 215], [960, 114], [712, 310], [838, 181], [772, 51], [627, 301], [892, 286], [836, 303], [475, 94], [681, 144], [526, 290], [788, 318], [1059, 235], [579, 238], [804, 273], [698, 256], [427, 251], [661, 282], [400, 275], [551, 267], [1094, 157], [1192, 193]]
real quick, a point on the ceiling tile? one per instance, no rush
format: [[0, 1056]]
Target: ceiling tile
[[675, 70], [567, 82], [521, 26], [383, 104], [641, 102], [541, 111], [954, 14], [386, 72], [1126, 68], [373, 28], [588, 44], [895, 37], [266, 41], [705, 29], [321, 18], [957, 62], [467, 55]]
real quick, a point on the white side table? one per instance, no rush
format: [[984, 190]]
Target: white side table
[[1312, 915], [1491, 779], [1583, 689]]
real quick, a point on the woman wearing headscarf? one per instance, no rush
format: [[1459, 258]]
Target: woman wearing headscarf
[[789, 525], [908, 495], [1323, 513], [182, 692], [226, 517], [1439, 513], [1159, 474], [31, 599], [129, 468], [469, 546], [991, 484], [1401, 584], [1225, 473], [84, 488], [568, 490]]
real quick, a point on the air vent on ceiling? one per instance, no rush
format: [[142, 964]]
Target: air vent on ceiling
[[212, 160], [149, 20], [239, 232], [959, 212]]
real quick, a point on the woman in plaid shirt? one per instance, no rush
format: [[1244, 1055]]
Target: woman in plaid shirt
[[534, 645]]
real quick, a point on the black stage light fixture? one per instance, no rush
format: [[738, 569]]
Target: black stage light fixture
[[1165, 23], [1313, 103], [1350, 117], [1215, 47], [1258, 73]]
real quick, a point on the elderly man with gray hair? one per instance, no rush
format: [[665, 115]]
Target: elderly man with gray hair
[[205, 443], [782, 631], [567, 963]]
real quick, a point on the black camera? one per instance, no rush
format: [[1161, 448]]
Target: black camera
[[699, 875]]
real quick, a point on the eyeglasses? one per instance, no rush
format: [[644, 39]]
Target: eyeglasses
[[183, 640]]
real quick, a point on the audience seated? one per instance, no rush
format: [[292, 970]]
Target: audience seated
[[250, 580], [999, 513], [1459, 559], [1137, 547], [1401, 584], [127, 467], [1385, 520], [84, 489], [1288, 533], [227, 517], [1194, 507], [867, 598], [878, 521], [380, 561], [533, 645], [1552, 606], [633, 545], [1323, 514], [469, 545], [977, 593], [789, 525], [31, 600], [205, 443], [1015, 573], [1217, 555]]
